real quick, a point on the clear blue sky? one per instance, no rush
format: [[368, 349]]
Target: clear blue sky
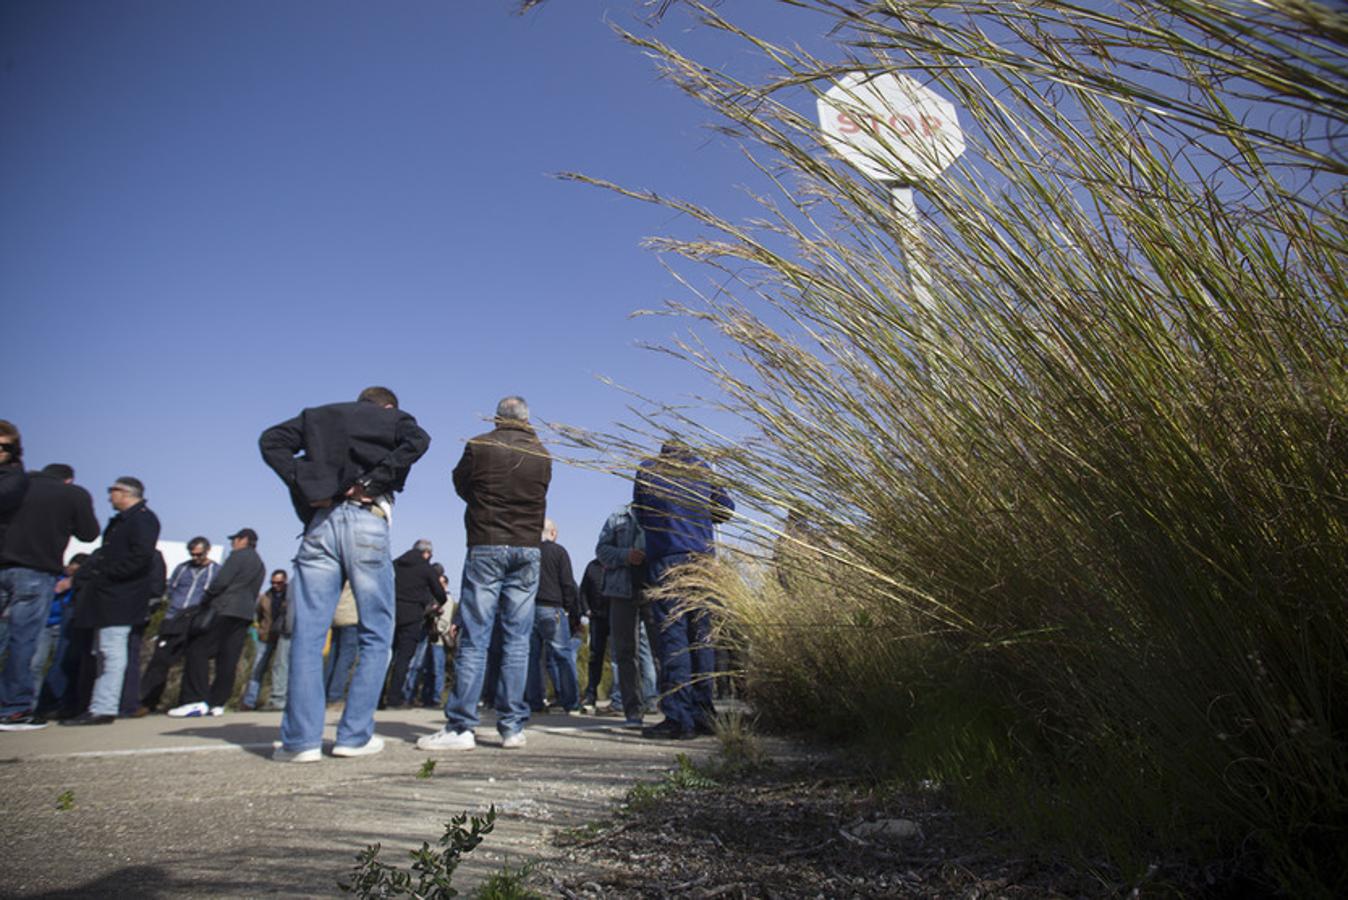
[[214, 215]]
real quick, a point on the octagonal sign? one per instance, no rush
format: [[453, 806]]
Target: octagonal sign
[[890, 127]]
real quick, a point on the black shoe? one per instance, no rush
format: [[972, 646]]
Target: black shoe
[[702, 727], [89, 718], [22, 721], [668, 730]]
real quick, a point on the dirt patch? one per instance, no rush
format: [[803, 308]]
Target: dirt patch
[[799, 831]]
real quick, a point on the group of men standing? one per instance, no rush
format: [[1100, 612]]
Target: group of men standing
[[343, 463]]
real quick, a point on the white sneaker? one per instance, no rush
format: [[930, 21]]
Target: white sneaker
[[447, 739], [189, 710], [514, 741], [369, 748], [281, 754], [217, 710]]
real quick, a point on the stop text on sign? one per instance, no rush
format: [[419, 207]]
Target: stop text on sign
[[890, 127], [927, 125]]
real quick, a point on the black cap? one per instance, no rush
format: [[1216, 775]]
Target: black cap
[[245, 533]]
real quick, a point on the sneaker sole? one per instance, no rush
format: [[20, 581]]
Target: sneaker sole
[[302, 756]]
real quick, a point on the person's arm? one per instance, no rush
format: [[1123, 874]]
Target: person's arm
[[721, 505], [13, 485], [463, 472], [411, 443], [567, 578], [279, 445]]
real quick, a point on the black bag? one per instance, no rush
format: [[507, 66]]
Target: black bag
[[202, 620]]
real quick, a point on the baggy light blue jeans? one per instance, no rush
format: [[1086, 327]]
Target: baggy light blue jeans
[[25, 599], [346, 542], [497, 581], [112, 653]]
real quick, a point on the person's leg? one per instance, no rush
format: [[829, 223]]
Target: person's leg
[[46, 640], [233, 633], [280, 675], [535, 690], [107, 695], [265, 654], [648, 657], [131, 680], [623, 623], [599, 631], [415, 666], [369, 567], [435, 678], [702, 656], [168, 649], [568, 695], [26, 595], [68, 701], [518, 591], [405, 639], [197, 666], [479, 593], [492, 675], [58, 677], [314, 590]]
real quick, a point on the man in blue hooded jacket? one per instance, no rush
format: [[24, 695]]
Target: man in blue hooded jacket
[[678, 507]]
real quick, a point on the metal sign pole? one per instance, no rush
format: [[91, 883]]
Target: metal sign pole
[[914, 249]]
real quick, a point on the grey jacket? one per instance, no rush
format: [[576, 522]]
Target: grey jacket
[[620, 534], [234, 590]]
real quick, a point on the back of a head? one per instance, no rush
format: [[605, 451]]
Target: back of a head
[[513, 409], [59, 470], [549, 530], [423, 546], [380, 396]]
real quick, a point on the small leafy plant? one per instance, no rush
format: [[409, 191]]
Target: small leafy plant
[[432, 868], [66, 801], [426, 769]]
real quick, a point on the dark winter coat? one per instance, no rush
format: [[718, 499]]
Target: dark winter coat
[[342, 444], [556, 578], [416, 586], [121, 574], [592, 590], [13, 485], [51, 512], [677, 503], [233, 590], [503, 476]]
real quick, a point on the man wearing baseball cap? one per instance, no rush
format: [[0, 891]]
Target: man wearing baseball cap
[[219, 628]]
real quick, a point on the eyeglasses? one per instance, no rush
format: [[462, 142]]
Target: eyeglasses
[[278, 583], [200, 555], [7, 447]]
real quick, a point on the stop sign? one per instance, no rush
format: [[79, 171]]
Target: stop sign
[[890, 127]]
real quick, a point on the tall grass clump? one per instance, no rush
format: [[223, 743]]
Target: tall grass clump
[[1070, 535]]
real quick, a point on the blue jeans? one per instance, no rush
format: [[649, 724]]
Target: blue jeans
[[550, 644], [498, 581], [112, 653], [428, 663], [687, 658], [345, 542], [277, 656], [25, 599], [341, 660]]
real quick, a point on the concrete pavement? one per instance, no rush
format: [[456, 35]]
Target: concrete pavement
[[165, 807]]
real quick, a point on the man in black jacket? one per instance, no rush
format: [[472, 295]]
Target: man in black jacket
[[342, 464], [51, 511], [117, 588], [550, 643], [418, 591], [503, 476]]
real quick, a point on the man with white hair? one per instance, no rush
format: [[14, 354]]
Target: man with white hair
[[550, 645], [503, 477]]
